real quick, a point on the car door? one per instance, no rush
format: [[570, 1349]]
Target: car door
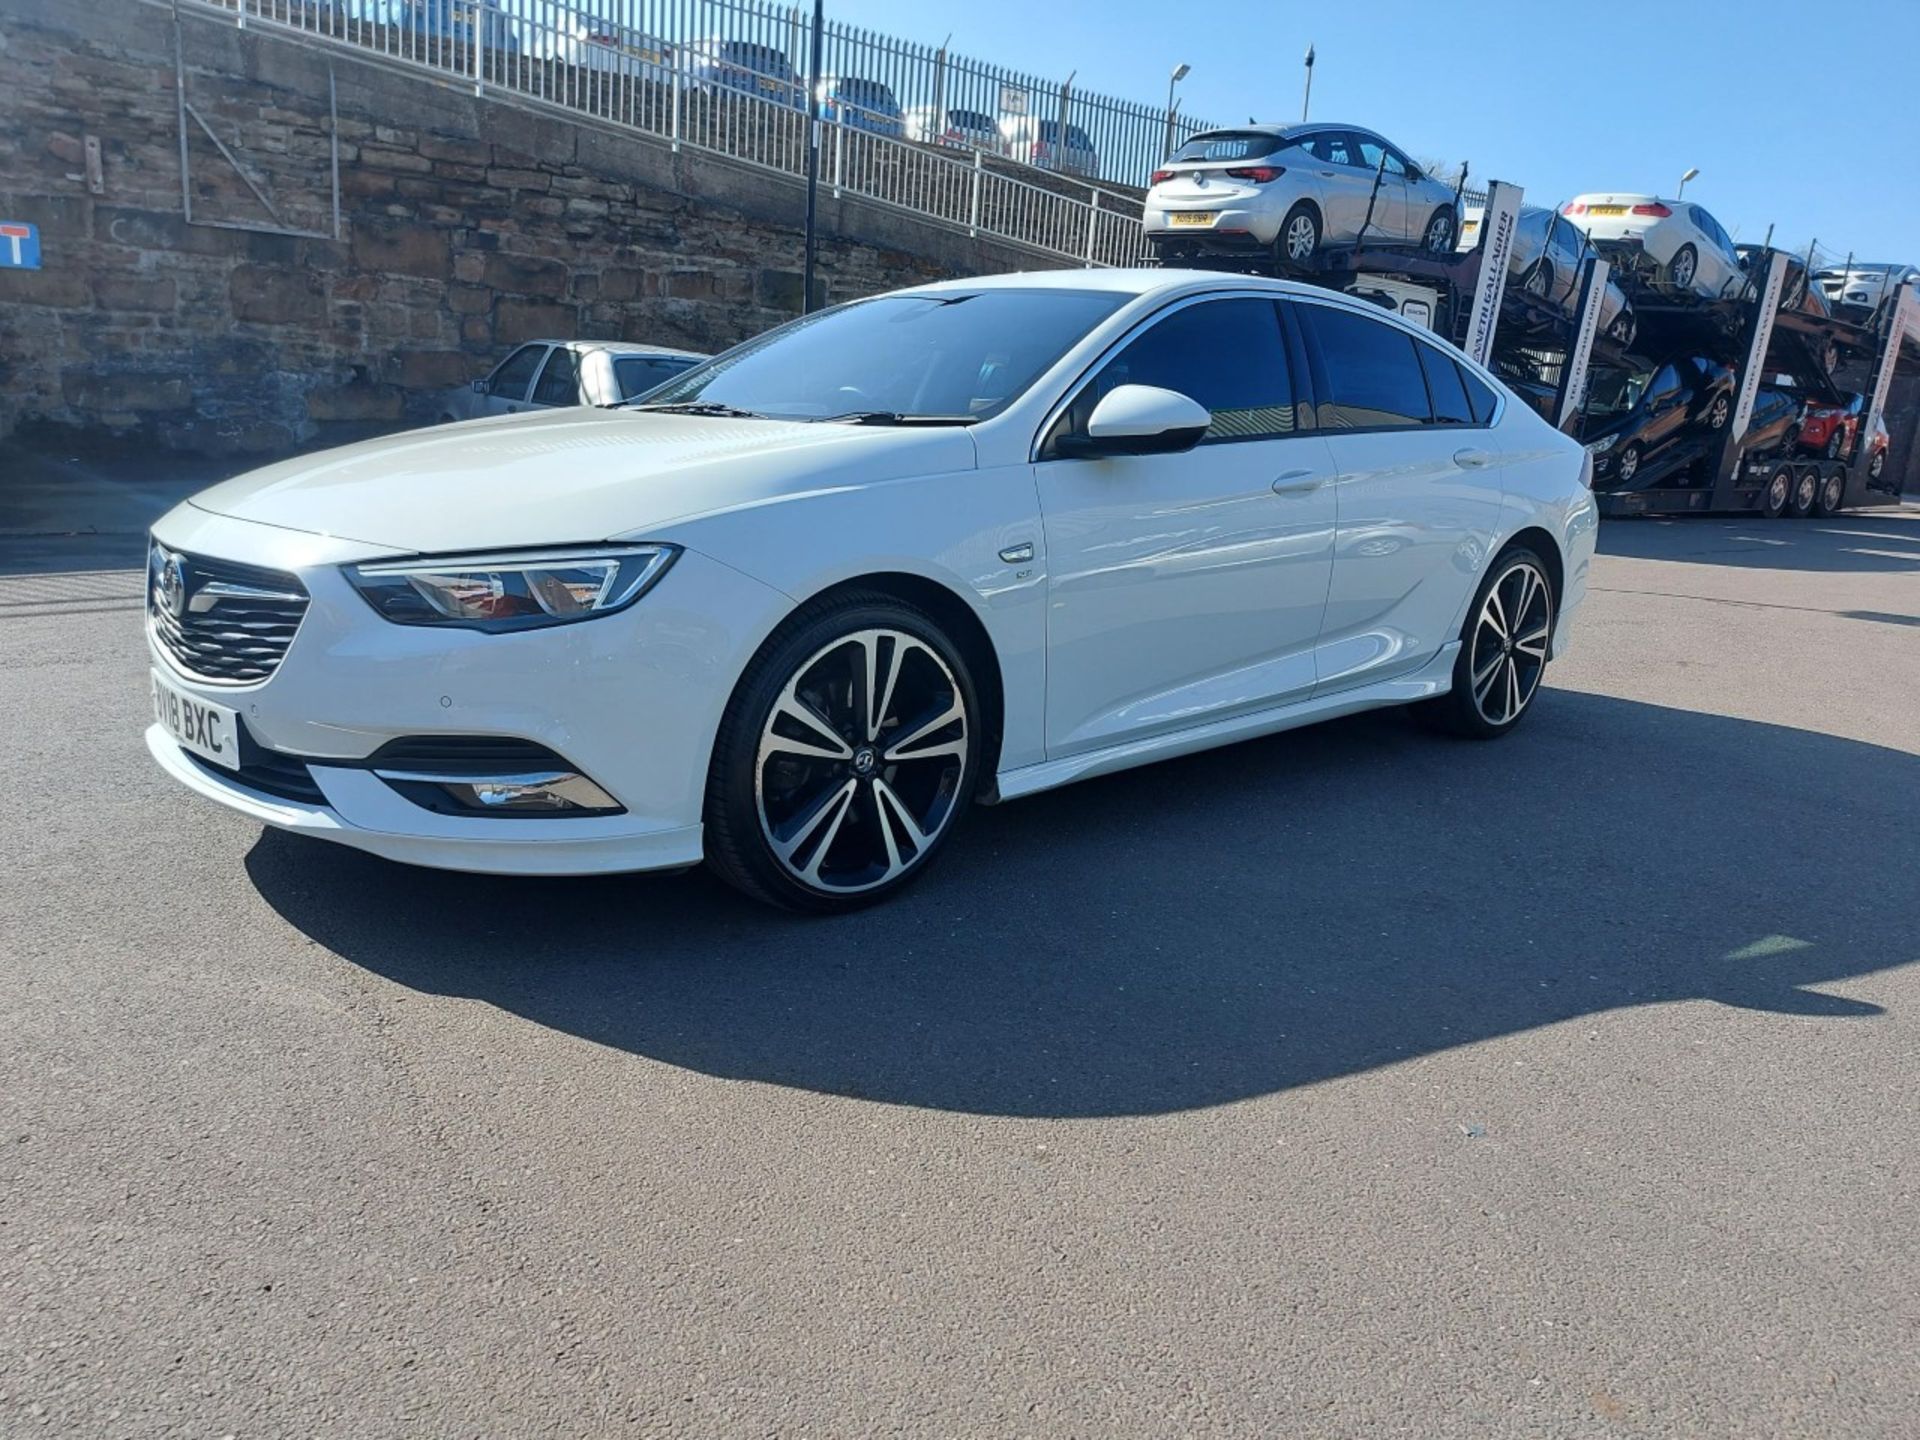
[[506, 389], [1390, 207], [1665, 406], [559, 382], [1189, 587], [1417, 491], [1720, 271], [1344, 183]]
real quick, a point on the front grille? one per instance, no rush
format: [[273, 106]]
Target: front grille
[[271, 772], [219, 619]]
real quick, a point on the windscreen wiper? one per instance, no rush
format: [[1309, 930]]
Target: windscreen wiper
[[699, 407], [894, 417]]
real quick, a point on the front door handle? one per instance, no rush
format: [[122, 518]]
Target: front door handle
[[1297, 482], [1472, 459]]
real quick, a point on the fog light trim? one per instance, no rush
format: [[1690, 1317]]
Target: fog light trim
[[533, 794]]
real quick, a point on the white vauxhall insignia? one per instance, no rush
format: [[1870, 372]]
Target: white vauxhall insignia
[[795, 611]]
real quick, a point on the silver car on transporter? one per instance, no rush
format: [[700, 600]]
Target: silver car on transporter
[[1287, 190]]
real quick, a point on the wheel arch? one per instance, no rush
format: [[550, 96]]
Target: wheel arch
[[1546, 545], [957, 617]]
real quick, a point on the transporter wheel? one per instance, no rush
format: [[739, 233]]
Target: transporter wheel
[[1299, 236], [1538, 280], [1438, 238], [1779, 491], [1683, 267], [1503, 650], [1832, 494], [1806, 492], [1629, 463], [846, 758], [1877, 464]]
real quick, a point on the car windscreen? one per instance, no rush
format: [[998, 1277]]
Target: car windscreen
[[954, 355], [635, 375], [868, 93], [1614, 392], [1230, 145], [970, 120]]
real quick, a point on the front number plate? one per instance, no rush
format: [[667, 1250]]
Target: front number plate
[[1197, 218], [210, 731]]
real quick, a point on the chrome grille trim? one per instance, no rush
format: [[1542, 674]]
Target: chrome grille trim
[[220, 620]]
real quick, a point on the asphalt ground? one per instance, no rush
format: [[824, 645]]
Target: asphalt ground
[[1352, 1082]]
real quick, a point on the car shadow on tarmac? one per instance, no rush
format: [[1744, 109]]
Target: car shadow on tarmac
[[1224, 926]]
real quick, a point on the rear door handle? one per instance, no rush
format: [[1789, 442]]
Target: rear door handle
[[1297, 482], [1472, 459]]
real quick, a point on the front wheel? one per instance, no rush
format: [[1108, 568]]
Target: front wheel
[[1624, 328], [1836, 442], [1503, 651], [1628, 465], [1718, 413], [846, 757]]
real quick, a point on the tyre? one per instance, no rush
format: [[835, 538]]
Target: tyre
[[1836, 442], [1806, 491], [1683, 267], [1719, 412], [1437, 239], [1503, 651], [1538, 281], [1778, 492], [1832, 494], [1628, 464], [1877, 464], [846, 757], [1299, 236], [1624, 328]]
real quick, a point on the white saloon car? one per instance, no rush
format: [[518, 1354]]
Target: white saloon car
[[1685, 247], [801, 608]]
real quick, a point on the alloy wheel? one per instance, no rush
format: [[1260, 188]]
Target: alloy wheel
[[1302, 237], [1440, 233], [1833, 491], [1717, 413], [1538, 281], [1682, 272], [1629, 463], [860, 761], [1510, 643]]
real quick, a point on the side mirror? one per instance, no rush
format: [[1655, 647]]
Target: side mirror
[[1142, 420], [480, 387]]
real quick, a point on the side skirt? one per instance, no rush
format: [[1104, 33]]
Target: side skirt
[[1434, 678]]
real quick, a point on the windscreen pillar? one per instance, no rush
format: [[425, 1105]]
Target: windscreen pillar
[[1497, 224], [1572, 399]]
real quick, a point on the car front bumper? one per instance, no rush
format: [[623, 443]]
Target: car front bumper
[[631, 700]]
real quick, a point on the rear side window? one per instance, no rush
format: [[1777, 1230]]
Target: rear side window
[[510, 381], [1229, 355], [1373, 377], [637, 374], [1445, 388], [560, 381], [1229, 145], [1332, 148], [1480, 395]]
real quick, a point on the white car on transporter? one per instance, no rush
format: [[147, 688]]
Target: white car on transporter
[[797, 610], [1683, 246]]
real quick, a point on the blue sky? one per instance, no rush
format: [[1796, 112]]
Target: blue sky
[[1786, 129]]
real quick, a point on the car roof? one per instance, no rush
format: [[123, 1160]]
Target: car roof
[[623, 347], [1142, 282]]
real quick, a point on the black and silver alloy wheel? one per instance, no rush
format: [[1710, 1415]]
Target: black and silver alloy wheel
[[845, 759], [860, 760], [1510, 643], [1718, 413], [1503, 651]]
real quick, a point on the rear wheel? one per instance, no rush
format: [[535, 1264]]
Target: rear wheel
[[1538, 280], [846, 757], [1683, 267], [1836, 442], [1833, 493], [1438, 239], [1624, 328], [1299, 235], [1718, 412], [1773, 499], [1503, 651], [1806, 491]]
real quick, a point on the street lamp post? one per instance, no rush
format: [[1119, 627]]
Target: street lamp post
[[813, 162], [1180, 73], [1693, 173], [1307, 99]]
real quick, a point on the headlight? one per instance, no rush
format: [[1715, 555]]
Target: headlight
[[525, 590], [1602, 445]]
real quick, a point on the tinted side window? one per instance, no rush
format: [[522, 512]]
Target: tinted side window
[[560, 381], [1665, 382], [510, 381], [1479, 395], [1444, 387], [1227, 354], [1372, 375]]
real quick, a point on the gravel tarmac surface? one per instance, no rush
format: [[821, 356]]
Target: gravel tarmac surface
[[1352, 1082]]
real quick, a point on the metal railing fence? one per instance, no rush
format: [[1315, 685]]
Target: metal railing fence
[[732, 93]]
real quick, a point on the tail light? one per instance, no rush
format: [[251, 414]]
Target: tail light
[[1259, 174], [1573, 207], [1656, 209], [1160, 176]]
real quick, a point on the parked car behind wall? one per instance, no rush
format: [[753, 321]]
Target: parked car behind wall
[[547, 373]]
